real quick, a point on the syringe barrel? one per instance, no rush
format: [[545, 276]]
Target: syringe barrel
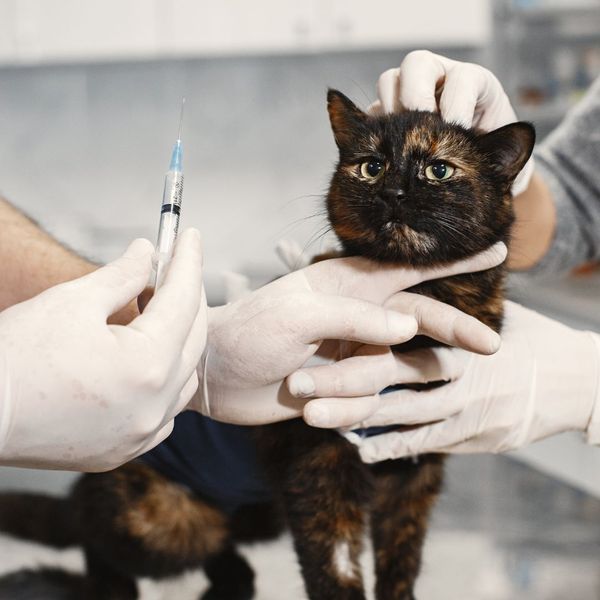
[[169, 223]]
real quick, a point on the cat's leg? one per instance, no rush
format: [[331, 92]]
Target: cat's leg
[[405, 492], [230, 575], [325, 489], [103, 582], [135, 523]]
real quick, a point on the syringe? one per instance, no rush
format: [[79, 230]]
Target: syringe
[[170, 210]]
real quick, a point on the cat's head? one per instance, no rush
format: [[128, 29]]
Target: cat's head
[[411, 188]]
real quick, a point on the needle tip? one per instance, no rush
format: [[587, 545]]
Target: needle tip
[[181, 118]]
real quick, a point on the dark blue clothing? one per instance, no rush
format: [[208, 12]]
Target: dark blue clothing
[[216, 460]]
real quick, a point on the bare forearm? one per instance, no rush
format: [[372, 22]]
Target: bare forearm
[[534, 226], [32, 261]]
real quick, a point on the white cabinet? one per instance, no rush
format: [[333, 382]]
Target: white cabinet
[[233, 26], [385, 23], [73, 30], [33, 31], [8, 49]]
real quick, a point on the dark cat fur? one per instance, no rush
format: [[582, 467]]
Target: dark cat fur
[[134, 522]]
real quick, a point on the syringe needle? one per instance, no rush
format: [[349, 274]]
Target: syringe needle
[[181, 118]]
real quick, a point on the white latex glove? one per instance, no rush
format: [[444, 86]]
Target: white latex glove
[[76, 393], [256, 342], [542, 381], [462, 93]]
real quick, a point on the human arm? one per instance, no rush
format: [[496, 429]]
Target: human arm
[[563, 207], [256, 342], [32, 261], [534, 229], [78, 393]]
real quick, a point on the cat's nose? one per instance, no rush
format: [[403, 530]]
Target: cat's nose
[[393, 194]]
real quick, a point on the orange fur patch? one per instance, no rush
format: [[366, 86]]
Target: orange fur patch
[[168, 519]]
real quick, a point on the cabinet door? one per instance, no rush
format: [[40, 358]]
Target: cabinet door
[[234, 26], [73, 30], [426, 23], [8, 46]]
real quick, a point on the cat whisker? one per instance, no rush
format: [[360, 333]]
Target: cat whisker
[[317, 236], [452, 224], [291, 201], [285, 231], [363, 92]]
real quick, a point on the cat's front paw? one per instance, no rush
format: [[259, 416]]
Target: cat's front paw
[[233, 592]]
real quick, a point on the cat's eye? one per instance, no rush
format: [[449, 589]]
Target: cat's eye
[[439, 171], [372, 169]]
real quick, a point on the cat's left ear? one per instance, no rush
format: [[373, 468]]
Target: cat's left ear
[[508, 148], [346, 118]]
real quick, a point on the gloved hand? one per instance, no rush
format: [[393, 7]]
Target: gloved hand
[[255, 342], [463, 93], [542, 381], [76, 393]]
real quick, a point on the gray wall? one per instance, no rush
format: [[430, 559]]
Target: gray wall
[[84, 149]]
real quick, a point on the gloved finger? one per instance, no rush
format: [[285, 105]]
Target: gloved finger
[[412, 407], [446, 323], [342, 318], [406, 407], [258, 406], [339, 412], [377, 368], [354, 376], [173, 308], [388, 91], [465, 87], [487, 259], [114, 285], [445, 436], [361, 278], [421, 74], [409, 407]]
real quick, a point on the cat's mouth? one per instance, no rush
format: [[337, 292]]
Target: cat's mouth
[[402, 239], [392, 227]]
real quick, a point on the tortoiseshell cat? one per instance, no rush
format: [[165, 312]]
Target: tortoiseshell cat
[[410, 189]]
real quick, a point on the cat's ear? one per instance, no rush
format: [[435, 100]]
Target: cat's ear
[[508, 148], [346, 118]]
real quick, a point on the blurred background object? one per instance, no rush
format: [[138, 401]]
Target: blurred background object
[[546, 53]]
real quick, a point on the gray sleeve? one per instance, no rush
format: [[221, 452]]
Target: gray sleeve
[[569, 162]]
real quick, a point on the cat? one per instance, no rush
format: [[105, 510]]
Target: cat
[[408, 189]]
